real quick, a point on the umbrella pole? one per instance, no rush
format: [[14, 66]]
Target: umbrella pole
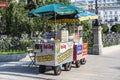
[[55, 27]]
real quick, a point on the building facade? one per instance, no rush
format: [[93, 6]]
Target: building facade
[[81, 4], [108, 10]]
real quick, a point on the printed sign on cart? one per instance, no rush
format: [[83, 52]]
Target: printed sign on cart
[[79, 49], [62, 47], [46, 56], [85, 49], [63, 56], [65, 52]]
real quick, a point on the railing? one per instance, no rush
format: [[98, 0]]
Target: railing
[[111, 39]]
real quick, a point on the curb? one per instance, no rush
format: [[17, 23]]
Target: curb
[[14, 57]]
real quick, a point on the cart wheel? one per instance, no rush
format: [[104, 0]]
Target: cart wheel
[[77, 63], [67, 66], [57, 70], [42, 68], [83, 61]]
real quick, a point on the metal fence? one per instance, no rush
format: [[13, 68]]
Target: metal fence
[[111, 39]]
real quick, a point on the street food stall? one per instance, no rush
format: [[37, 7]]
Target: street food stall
[[63, 51], [80, 48], [55, 53], [67, 47]]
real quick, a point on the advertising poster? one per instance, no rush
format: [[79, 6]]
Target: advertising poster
[[79, 51], [46, 55], [64, 53], [85, 49]]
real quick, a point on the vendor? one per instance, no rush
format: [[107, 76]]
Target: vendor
[[49, 33]]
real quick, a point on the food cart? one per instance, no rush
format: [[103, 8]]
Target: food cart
[[56, 53], [67, 48], [80, 49], [63, 51]]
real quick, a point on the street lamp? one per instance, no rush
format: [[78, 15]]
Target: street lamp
[[97, 46], [96, 11]]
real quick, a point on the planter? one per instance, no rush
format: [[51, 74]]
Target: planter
[[13, 57]]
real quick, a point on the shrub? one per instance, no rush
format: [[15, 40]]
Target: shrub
[[116, 28], [105, 28]]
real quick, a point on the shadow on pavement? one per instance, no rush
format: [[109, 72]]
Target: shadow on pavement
[[18, 67], [22, 75], [118, 68], [21, 69]]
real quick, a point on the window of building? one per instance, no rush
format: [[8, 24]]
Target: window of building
[[110, 12], [105, 13], [108, 4], [116, 18], [111, 20], [112, 5], [106, 20], [111, 17], [115, 12]]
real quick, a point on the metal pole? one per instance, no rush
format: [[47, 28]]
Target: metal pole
[[96, 24], [96, 7]]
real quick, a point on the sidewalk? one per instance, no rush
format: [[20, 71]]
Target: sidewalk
[[112, 50], [102, 67]]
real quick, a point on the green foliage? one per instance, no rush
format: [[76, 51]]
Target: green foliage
[[26, 43], [15, 20], [4, 45], [116, 28], [105, 28], [14, 45], [87, 32], [87, 26]]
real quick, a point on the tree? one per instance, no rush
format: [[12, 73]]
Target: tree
[[15, 20], [105, 28], [116, 28], [87, 32]]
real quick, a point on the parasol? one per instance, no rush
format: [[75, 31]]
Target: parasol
[[61, 9]]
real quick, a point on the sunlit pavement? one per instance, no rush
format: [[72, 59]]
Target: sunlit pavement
[[104, 67]]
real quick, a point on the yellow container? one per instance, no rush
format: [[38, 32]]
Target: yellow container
[[56, 40]]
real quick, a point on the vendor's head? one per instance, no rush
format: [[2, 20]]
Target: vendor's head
[[48, 28]]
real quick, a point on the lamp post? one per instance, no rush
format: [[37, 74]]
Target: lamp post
[[96, 24], [97, 46]]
